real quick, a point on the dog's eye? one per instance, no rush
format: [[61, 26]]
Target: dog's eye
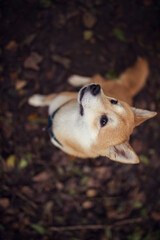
[[113, 101], [103, 120]]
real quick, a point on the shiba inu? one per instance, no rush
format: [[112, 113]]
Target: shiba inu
[[99, 120]]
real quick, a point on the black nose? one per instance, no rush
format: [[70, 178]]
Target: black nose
[[94, 89]]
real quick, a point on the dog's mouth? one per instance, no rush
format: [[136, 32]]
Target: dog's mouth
[[94, 90]]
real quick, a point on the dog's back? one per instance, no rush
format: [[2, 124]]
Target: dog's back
[[125, 87]]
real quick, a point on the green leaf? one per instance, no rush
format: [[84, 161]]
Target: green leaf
[[77, 171], [2, 228], [23, 163], [108, 233], [29, 156], [45, 3], [119, 34], [84, 180], [38, 228], [138, 204], [71, 192], [111, 74], [134, 236], [144, 212], [144, 160]]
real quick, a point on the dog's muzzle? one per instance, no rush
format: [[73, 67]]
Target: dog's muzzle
[[93, 89]]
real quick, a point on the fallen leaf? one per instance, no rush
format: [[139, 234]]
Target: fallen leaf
[[87, 35], [65, 62], [20, 84], [71, 192], [84, 180], [4, 202], [1, 68], [119, 34], [144, 212], [144, 160], [32, 117], [147, 3], [87, 204], [48, 207], [23, 163], [38, 228], [33, 60], [111, 74], [12, 45], [14, 76], [91, 193], [29, 39], [45, 3], [11, 160], [108, 233], [27, 191], [137, 204], [89, 20], [41, 177], [156, 216], [102, 172]]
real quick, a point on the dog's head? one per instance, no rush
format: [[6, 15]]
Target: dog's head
[[110, 123]]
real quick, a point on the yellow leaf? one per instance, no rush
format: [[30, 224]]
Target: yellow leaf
[[87, 35], [11, 160]]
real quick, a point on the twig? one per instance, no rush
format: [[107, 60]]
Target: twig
[[95, 227]]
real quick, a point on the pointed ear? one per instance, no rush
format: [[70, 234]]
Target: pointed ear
[[141, 115], [122, 153]]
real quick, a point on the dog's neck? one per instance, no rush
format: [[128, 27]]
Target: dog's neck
[[51, 123]]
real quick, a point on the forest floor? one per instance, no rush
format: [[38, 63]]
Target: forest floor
[[43, 195]]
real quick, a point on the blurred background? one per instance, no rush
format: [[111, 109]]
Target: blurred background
[[44, 195]]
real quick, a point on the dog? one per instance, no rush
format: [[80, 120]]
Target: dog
[[99, 120]]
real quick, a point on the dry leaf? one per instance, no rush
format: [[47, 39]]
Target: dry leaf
[[33, 60], [4, 202], [41, 177], [91, 193], [12, 45], [20, 84], [14, 76], [156, 216], [89, 20], [29, 39], [62, 60], [87, 204], [32, 117]]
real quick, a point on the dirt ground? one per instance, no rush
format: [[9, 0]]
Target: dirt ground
[[43, 195]]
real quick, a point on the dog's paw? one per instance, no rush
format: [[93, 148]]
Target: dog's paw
[[36, 100], [78, 81]]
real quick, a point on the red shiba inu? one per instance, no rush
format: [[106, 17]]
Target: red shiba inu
[[100, 120]]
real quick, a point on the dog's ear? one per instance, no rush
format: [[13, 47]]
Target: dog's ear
[[141, 115], [122, 153]]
